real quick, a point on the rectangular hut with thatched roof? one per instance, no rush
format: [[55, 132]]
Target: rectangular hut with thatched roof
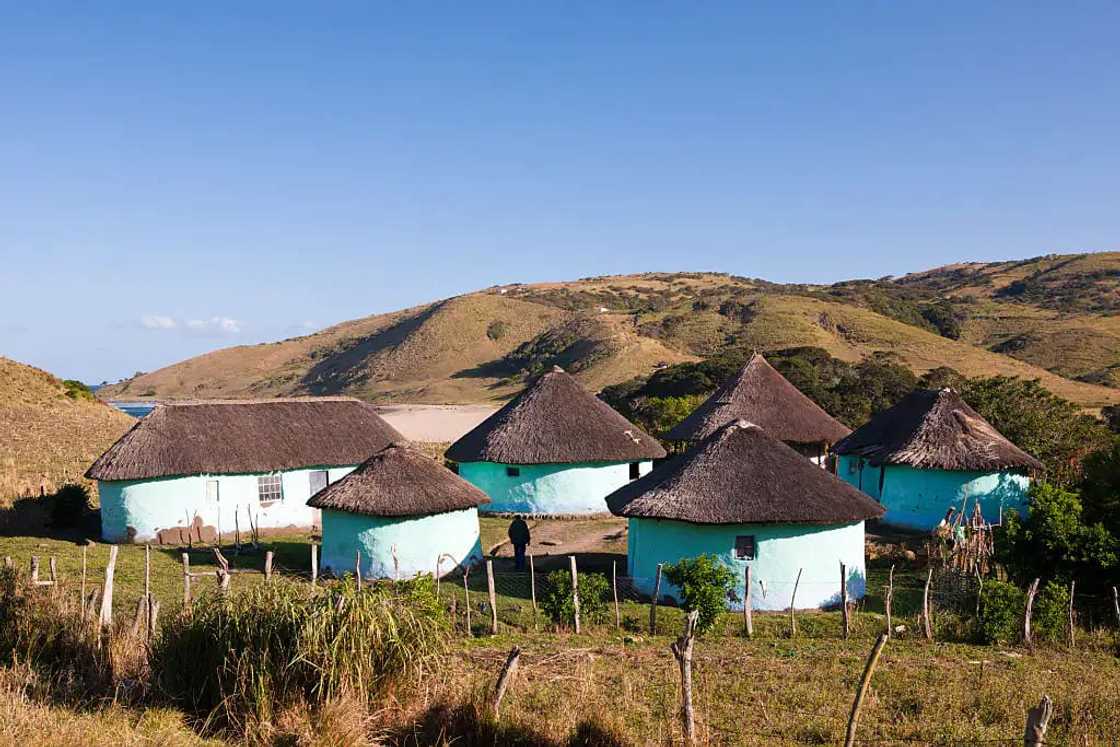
[[555, 449], [750, 500], [400, 514], [187, 471], [932, 454]]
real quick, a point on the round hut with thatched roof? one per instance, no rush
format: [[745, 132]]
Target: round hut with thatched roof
[[930, 453], [761, 395], [555, 449], [401, 513], [750, 500]]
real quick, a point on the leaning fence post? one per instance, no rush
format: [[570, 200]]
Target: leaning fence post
[[493, 597], [268, 565], [653, 601], [887, 600], [1027, 613], [844, 599], [504, 677], [748, 621], [861, 691], [614, 588], [533, 588], [575, 591], [1072, 633], [106, 617], [186, 581], [926, 622], [1038, 719], [793, 605], [682, 651], [314, 563]]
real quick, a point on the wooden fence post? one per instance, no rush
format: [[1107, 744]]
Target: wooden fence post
[[575, 590], [186, 581], [682, 651], [748, 620], [83, 587], [1038, 719], [793, 605], [467, 598], [888, 598], [106, 617], [861, 691], [614, 587], [54, 571], [493, 597], [1027, 613], [1116, 605], [268, 565], [653, 601], [927, 624], [222, 572], [504, 677], [147, 571], [34, 570], [1072, 633], [844, 599], [533, 588], [358, 569], [314, 562]]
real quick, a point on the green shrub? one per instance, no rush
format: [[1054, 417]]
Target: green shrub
[[1001, 612], [497, 330], [705, 584], [76, 389], [284, 643], [69, 505], [557, 599], [1050, 614]]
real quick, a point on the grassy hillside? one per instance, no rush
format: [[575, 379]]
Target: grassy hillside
[[1052, 318], [50, 432]]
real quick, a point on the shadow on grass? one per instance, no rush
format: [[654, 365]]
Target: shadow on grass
[[32, 517], [467, 726]]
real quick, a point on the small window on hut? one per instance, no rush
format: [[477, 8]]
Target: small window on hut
[[635, 470], [211, 491], [513, 472], [269, 489], [744, 547], [319, 479]]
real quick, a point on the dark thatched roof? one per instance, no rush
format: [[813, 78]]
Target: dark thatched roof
[[761, 395], [742, 475], [555, 421], [399, 481], [245, 436], [935, 429]]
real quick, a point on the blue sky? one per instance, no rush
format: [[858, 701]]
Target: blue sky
[[175, 179]]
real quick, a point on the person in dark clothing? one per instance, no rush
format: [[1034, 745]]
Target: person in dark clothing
[[519, 537]]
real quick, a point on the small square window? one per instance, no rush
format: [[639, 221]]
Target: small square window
[[635, 470], [744, 547], [211, 491], [269, 489], [513, 471], [318, 480]]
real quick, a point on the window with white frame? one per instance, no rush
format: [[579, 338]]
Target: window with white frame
[[745, 547], [269, 489], [211, 491]]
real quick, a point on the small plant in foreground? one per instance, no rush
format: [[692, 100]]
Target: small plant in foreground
[[1001, 612], [557, 599], [705, 584]]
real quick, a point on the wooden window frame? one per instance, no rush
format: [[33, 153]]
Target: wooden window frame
[[753, 547], [263, 489]]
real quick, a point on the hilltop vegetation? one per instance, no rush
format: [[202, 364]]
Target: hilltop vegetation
[[1056, 319], [50, 430]]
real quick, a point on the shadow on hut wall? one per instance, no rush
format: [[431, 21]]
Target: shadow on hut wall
[[467, 725]]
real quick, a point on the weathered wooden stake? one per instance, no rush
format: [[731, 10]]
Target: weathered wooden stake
[[1072, 633], [1027, 613], [34, 569], [467, 598], [844, 599], [268, 565], [533, 588], [614, 588], [861, 691], [504, 677], [83, 587], [1038, 719], [493, 597], [927, 624], [888, 598], [54, 571], [147, 571], [106, 617], [8, 561], [1116, 605], [222, 573], [358, 569], [682, 651], [314, 562], [653, 601], [575, 590], [793, 605], [237, 529], [186, 581], [748, 619]]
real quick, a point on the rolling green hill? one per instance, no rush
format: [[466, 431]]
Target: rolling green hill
[[1052, 318]]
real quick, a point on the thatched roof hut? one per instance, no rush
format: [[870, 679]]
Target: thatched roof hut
[[741, 474], [399, 481], [555, 421], [935, 429], [761, 395], [235, 437]]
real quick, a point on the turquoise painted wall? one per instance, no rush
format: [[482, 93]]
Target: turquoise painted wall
[[549, 488], [149, 506], [781, 549], [919, 498], [419, 541]]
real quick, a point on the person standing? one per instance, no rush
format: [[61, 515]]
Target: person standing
[[519, 537]]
